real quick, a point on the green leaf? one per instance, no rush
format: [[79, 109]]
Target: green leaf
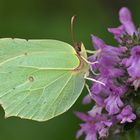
[[39, 79]]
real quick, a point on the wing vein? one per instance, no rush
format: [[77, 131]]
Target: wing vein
[[44, 92], [59, 94]]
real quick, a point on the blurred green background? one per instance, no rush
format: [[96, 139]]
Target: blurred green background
[[41, 19]]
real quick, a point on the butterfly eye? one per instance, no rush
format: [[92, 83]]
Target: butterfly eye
[[77, 47]]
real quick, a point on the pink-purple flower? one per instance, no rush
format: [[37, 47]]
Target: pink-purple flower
[[119, 69]]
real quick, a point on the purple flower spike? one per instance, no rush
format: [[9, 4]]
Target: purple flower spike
[[119, 69], [126, 115], [126, 20]]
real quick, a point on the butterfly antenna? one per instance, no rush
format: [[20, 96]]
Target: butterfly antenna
[[76, 45], [72, 29]]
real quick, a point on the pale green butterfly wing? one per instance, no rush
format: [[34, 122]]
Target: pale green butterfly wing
[[39, 79]]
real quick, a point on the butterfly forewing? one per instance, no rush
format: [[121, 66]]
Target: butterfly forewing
[[38, 78]]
